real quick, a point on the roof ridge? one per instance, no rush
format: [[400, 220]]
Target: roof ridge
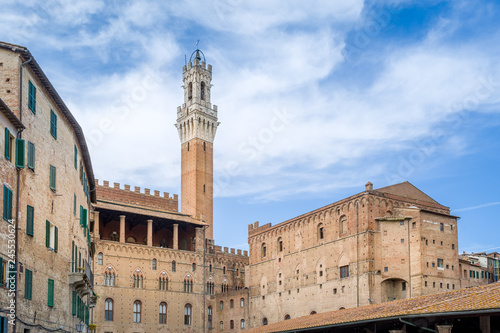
[[461, 293]]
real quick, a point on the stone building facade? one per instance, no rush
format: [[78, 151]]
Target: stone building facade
[[48, 189]]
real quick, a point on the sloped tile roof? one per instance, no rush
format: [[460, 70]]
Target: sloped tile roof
[[463, 300], [407, 190]]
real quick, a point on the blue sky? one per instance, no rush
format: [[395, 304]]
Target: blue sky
[[382, 91]]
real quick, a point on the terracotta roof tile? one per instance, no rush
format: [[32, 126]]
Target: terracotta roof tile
[[470, 299]]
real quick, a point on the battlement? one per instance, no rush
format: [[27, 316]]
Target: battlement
[[229, 251], [147, 199], [254, 228]]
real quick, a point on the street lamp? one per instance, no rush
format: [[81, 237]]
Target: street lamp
[[79, 328]]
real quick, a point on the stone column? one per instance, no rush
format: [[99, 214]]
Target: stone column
[[96, 224], [444, 328], [150, 232], [485, 324], [122, 228], [199, 239], [176, 237]]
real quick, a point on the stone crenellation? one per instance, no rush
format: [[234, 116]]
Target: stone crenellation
[[151, 199]]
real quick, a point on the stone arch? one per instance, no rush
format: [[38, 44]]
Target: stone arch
[[343, 260]]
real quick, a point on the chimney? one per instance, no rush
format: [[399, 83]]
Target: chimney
[[369, 186]]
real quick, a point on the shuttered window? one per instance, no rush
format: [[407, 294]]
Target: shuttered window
[[50, 298], [20, 153], [31, 155], [76, 158], [32, 97], [7, 204], [28, 283], [30, 219], [51, 236], [53, 124], [7, 143], [52, 178], [2, 268], [73, 303]]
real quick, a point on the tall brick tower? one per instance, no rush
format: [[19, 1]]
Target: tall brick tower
[[197, 124]]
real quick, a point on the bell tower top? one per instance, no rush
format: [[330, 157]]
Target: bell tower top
[[197, 79]]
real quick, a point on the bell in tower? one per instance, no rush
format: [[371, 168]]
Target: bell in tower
[[197, 124]]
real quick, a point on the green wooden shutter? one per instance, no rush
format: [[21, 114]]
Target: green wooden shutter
[[84, 218], [73, 256], [7, 143], [7, 204], [50, 298], [28, 283], [20, 153], [31, 155], [1, 271], [52, 178], [53, 124], [74, 204], [30, 218], [81, 216], [73, 303], [47, 233], [55, 239], [76, 158], [32, 97]]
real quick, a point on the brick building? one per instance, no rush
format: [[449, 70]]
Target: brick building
[[48, 189]]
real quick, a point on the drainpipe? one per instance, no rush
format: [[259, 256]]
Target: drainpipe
[[357, 254], [204, 278], [18, 179]]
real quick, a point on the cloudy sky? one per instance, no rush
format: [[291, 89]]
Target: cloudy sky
[[315, 98]]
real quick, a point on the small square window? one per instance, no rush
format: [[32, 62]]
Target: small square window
[[334, 291], [402, 223], [386, 269], [402, 240], [441, 226]]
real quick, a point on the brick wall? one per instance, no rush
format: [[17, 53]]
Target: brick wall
[[146, 199]]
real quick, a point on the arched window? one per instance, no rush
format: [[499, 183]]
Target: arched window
[[163, 313], [221, 305], [287, 316], [242, 302], [321, 231], [163, 281], [231, 303], [210, 268], [190, 90], [137, 279], [224, 270], [154, 264], [210, 288], [108, 309], [173, 266], [109, 277], [313, 312], [188, 284], [264, 321], [263, 250], [99, 259], [209, 316], [342, 224], [242, 323], [202, 94], [193, 266], [280, 244], [221, 325], [187, 314], [231, 324], [137, 311]]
